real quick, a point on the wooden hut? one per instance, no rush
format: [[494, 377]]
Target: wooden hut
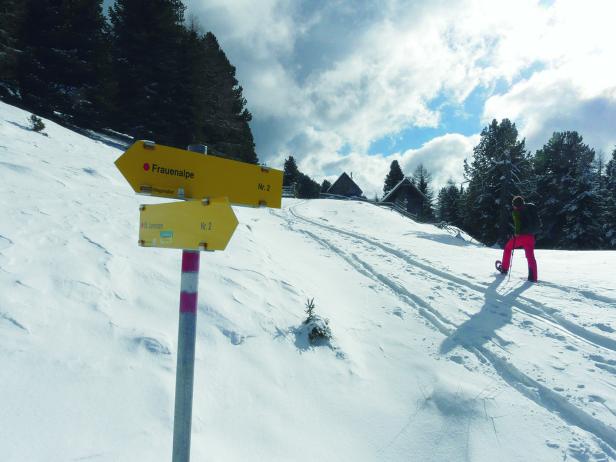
[[345, 186], [406, 196]]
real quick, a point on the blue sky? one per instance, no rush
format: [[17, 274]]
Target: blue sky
[[352, 85], [464, 118], [454, 117]]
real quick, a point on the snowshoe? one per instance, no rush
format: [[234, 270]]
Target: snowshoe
[[499, 267]]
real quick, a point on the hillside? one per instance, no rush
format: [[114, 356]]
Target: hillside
[[434, 356]]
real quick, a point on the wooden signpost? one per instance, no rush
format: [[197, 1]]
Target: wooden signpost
[[205, 221]]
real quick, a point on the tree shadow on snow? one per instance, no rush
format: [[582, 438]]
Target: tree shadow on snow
[[108, 140], [481, 327], [24, 127]]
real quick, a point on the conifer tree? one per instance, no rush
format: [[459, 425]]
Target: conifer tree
[[448, 204], [609, 210], [499, 170], [307, 188], [11, 22], [226, 123], [394, 177], [566, 184], [422, 179], [291, 172], [147, 37], [461, 203], [188, 111], [177, 86], [325, 186], [63, 65], [144, 73], [600, 183]]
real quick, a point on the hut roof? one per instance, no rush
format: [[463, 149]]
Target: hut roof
[[345, 186], [406, 181]]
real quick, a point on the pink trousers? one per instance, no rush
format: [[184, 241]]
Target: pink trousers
[[526, 242]]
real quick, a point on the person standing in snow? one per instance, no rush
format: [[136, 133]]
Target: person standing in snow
[[526, 224]]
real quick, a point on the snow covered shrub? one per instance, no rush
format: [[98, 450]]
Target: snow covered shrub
[[317, 327], [36, 124]]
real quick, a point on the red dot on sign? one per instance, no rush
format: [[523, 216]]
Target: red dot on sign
[[146, 166]]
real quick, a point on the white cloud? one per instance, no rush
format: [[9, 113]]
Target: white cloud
[[443, 157], [575, 89], [324, 76], [547, 103], [265, 29]]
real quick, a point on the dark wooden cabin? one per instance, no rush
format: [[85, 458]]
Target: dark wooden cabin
[[345, 186], [406, 195]]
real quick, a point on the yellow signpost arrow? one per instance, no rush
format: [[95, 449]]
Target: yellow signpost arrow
[[192, 225], [170, 172]]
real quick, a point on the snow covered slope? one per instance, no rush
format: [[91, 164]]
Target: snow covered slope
[[434, 357]]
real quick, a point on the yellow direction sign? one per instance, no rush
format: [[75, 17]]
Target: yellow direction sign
[[192, 225], [170, 172]]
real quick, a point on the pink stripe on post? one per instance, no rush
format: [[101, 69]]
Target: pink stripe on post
[[190, 262], [188, 302]]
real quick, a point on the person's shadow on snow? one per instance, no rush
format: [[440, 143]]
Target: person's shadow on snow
[[481, 327]]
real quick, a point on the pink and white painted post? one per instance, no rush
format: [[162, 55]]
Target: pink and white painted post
[[185, 373]]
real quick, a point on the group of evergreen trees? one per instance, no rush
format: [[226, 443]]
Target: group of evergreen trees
[[574, 190], [305, 187], [499, 170], [142, 71]]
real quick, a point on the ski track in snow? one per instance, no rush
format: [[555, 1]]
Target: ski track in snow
[[5, 242], [528, 306], [9, 319], [528, 387], [524, 304]]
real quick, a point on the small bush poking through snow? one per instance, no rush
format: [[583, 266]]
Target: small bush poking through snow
[[36, 124], [317, 327], [310, 309]]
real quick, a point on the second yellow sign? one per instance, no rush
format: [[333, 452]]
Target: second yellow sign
[[191, 225]]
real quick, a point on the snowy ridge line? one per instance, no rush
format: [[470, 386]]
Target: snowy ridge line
[[569, 327], [518, 380]]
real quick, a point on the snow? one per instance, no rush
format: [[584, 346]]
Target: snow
[[434, 357]]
